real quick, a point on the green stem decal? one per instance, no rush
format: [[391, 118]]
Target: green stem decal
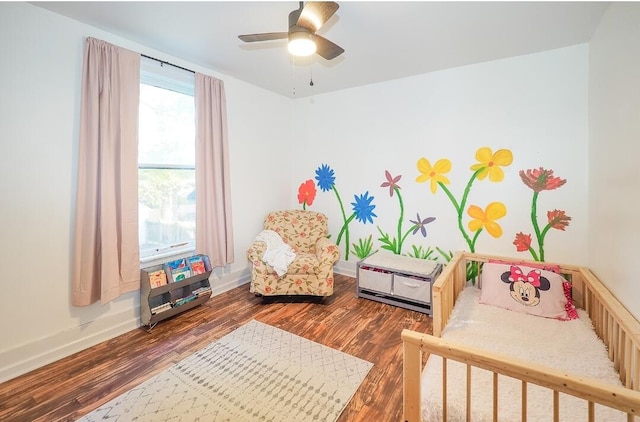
[[345, 226], [345, 230], [400, 219], [460, 208], [536, 227]]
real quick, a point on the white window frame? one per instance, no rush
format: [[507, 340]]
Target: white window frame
[[167, 77]]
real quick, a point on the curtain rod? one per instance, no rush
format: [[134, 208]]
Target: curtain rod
[[170, 64]]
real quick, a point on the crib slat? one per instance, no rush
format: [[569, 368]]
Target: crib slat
[[444, 389], [636, 376], [524, 401], [591, 409], [625, 361], [556, 406], [614, 348], [412, 371], [495, 397], [622, 339], [468, 393]]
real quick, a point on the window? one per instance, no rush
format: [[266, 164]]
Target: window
[[166, 161]]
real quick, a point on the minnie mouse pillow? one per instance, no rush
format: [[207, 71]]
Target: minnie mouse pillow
[[524, 289]]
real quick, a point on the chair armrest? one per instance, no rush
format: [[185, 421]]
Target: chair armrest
[[256, 251], [327, 251]]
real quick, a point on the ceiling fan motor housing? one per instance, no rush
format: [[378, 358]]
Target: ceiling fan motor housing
[[298, 32]]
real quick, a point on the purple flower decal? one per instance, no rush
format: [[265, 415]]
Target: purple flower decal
[[420, 224]]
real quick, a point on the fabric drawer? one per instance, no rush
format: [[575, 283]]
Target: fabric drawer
[[413, 288], [375, 280]]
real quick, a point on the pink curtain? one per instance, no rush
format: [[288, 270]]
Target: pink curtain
[[106, 259], [214, 233]]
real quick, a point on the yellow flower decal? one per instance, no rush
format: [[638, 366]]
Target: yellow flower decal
[[435, 173], [486, 219], [491, 163]]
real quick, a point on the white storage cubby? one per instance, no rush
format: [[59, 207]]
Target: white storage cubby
[[397, 280]]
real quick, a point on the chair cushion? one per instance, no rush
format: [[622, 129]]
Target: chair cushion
[[305, 263]]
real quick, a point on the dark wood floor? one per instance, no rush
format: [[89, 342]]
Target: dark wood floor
[[72, 387]]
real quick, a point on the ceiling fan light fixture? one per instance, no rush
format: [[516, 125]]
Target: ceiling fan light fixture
[[301, 44]]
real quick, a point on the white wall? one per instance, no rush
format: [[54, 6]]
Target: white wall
[[533, 105], [614, 150], [39, 110]]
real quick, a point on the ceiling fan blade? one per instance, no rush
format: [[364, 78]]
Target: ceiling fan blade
[[326, 48], [316, 13], [267, 36]]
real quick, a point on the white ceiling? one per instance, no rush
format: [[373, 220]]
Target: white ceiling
[[383, 40]]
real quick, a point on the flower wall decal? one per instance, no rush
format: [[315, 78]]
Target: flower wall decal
[[473, 218], [306, 193], [485, 219], [393, 243], [540, 180], [489, 166], [362, 207], [435, 174], [420, 224]]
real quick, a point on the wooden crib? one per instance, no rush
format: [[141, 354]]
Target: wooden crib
[[618, 329]]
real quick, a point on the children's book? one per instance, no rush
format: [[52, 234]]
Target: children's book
[[197, 265], [157, 278], [174, 265], [181, 274]]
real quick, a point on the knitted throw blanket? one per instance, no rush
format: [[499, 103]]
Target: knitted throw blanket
[[278, 254]]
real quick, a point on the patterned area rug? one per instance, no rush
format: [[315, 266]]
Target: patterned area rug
[[255, 373]]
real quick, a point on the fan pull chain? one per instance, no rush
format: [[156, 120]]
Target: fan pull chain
[[311, 79], [294, 75]]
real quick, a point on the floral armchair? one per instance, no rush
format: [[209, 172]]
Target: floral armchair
[[311, 272]]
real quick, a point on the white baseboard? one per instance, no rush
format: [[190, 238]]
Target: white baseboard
[[36, 354], [225, 283], [49, 349], [347, 268]]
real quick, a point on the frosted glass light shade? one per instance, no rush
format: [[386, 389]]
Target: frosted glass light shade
[[301, 45]]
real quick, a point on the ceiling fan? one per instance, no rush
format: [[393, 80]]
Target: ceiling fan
[[303, 24]]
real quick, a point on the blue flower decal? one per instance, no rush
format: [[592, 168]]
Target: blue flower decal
[[363, 209], [325, 177]]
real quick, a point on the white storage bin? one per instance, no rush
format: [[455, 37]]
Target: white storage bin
[[412, 288], [375, 280], [397, 280]]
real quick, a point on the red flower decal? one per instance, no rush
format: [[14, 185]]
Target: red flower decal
[[541, 179], [522, 242], [558, 219], [307, 192]]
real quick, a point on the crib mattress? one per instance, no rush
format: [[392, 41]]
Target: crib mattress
[[569, 346]]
